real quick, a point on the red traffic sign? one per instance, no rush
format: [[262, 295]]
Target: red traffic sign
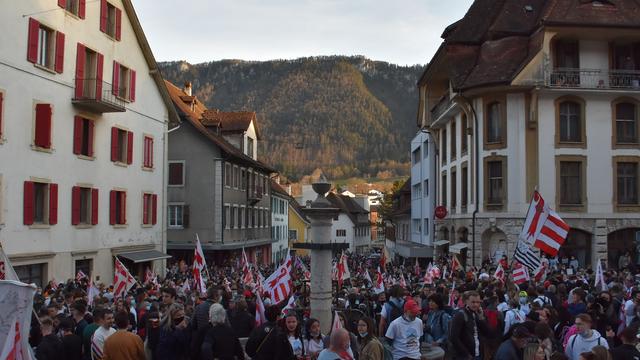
[[440, 212]]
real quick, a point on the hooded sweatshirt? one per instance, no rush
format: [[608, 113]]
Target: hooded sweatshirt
[[578, 344]]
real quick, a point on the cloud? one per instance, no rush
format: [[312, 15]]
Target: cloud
[[398, 31]]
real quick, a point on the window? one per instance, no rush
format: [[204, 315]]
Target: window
[[147, 151], [626, 123], [443, 151], [243, 179], [75, 7], [236, 177], [236, 218], [495, 182], [443, 184], [567, 54], [110, 20], [84, 206], [45, 46], [176, 216], [626, 183], [415, 156], [241, 217], [149, 208], [426, 226], [464, 191], [176, 173], [89, 69], [117, 207], [454, 133], [42, 133], [124, 82], [454, 190], [425, 149], [570, 122], [571, 183], [227, 217], [425, 188], [494, 135], [250, 147], [31, 274], [342, 232], [121, 146], [293, 234], [416, 191], [250, 217], [40, 203], [83, 136], [227, 175], [416, 225], [463, 134]]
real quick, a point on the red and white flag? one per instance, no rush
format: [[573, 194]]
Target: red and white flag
[[403, 282], [16, 311], [428, 275], [247, 275], [80, 275], [379, 284], [291, 305], [499, 274], [342, 268], [258, 288], [520, 274], [416, 268], [600, 277], [455, 264], [278, 285], [6, 270], [543, 227], [368, 277], [336, 322], [92, 292], [452, 300], [122, 280], [260, 317], [199, 265]]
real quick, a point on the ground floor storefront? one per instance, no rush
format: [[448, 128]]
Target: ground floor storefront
[[257, 254]]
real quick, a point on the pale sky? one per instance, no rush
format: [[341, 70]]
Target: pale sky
[[403, 32]]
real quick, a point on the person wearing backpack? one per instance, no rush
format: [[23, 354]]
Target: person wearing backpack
[[585, 340], [466, 327], [437, 322], [405, 332], [513, 316], [392, 309]]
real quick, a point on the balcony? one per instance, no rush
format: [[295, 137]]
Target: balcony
[[600, 79], [254, 196], [96, 96]]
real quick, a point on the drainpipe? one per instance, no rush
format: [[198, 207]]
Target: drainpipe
[[477, 172]]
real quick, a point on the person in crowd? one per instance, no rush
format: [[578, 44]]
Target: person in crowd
[[601, 352], [174, 337], [405, 332], [71, 343], [370, 346], [268, 341], [467, 326], [313, 342], [630, 307], [78, 311], [533, 351], [152, 332], [201, 313], [353, 340], [437, 322], [241, 321], [50, 347], [585, 340], [628, 349], [392, 309], [220, 342], [512, 348], [87, 334], [102, 334], [338, 350], [123, 344], [168, 296], [292, 328], [513, 316], [624, 260], [578, 305]]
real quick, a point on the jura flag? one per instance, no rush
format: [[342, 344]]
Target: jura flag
[[278, 285], [199, 265], [520, 274], [260, 317], [499, 274], [80, 275], [543, 227], [122, 280], [379, 284], [336, 321]]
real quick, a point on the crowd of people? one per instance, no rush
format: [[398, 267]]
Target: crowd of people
[[462, 314]]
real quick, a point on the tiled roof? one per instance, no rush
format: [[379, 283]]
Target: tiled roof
[[275, 187], [348, 206], [192, 111], [230, 121]]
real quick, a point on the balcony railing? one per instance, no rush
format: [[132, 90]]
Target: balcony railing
[[592, 79], [440, 107], [96, 96], [255, 195]]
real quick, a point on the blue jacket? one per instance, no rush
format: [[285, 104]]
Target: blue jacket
[[173, 344], [437, 327]]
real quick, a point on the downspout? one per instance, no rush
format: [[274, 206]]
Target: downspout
[[477, 174]]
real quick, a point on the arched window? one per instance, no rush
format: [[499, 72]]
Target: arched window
[[570, 122]]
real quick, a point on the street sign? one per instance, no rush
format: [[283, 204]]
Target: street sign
[[440, 212]]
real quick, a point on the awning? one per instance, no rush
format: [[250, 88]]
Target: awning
[[441, 242], [144, 255], [457, 248], [409, 249]]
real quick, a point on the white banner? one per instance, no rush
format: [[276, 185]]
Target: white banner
[[16, 306]]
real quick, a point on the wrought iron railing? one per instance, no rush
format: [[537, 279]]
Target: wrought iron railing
[[94, 90], [592, 78]]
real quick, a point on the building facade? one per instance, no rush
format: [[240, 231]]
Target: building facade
[[83, 118], [279, 222], [546, 102], [352, 226], [217, 191], [299, 226], [422, 185]]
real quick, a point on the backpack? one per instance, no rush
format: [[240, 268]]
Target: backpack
[[387, 350], [492, 319], [394, 313]]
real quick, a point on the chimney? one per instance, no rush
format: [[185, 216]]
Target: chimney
[[187, 88]]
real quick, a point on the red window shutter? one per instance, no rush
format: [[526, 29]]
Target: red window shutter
[[116, 79], [77, 135], [29, 201], [114, 144], [82, 7], [145, 209], [150, 151], [80, 61], [32, 45], [103, 15], [132, 85], [112, 207], [59, 65], [75, 205], [62, 3], [94, 206], [124, 207], [118, 24], [53, 204], [145, 152], [90, 139], [43, 126], [129, 147], [154, 209], [99, 68]]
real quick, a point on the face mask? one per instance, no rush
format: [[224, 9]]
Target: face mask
[[364, 334], [315, 334], [523, 300], [148, 307]]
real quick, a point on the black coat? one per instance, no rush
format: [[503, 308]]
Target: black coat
[[221, 343], [268, 342], [462, 343], [49, 348], [625, 352], [242, 323], [72, 345]]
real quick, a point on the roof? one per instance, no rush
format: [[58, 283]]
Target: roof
[[497, 38], [276, 188], [193, 116], [154, 72], [298, 209], [230, 121], [349, 206]]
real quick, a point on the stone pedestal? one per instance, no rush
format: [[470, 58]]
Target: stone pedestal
[[321, 286]]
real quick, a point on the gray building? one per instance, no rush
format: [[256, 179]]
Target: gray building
[[217, 189]]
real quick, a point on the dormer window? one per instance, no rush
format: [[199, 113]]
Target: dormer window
[[567, 54]]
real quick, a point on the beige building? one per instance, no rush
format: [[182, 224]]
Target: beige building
[[539, 95]]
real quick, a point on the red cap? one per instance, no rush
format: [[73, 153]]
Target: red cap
[[412, 306]]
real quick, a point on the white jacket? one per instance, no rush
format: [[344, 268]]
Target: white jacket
[[578, 344]]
